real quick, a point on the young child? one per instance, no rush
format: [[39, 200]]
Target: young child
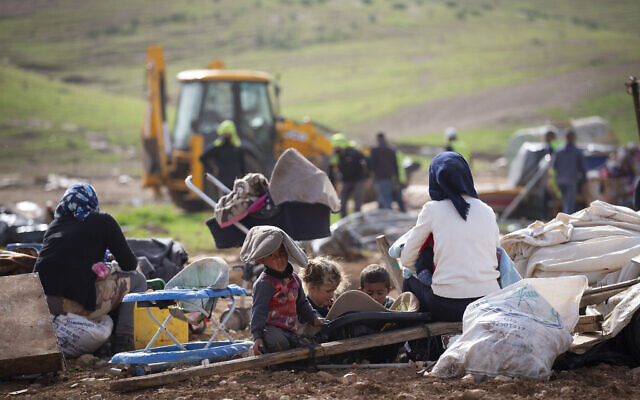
[[278, 298], [322, 277], [376, 282]]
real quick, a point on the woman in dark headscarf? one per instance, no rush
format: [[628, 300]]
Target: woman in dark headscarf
[[75, 241], [465, 237]]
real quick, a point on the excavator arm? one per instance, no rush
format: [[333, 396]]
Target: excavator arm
[[156, 143]]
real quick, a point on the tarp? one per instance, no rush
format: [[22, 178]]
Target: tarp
[[294, 178], [158, 257], [598, 242]]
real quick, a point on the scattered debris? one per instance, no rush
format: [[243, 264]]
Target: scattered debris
[[473, 394], [59, 182], [87, 359], [350, 378], [358, 231]]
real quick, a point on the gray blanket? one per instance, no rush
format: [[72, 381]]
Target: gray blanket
[[294, 178]]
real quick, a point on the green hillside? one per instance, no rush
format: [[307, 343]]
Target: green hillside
[[341, 62], [43, 120]]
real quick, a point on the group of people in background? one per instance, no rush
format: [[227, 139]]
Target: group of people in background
[[351, 167]]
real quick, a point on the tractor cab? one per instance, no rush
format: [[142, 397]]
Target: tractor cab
[[208, 97]]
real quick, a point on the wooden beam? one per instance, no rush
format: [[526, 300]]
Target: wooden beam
[[390, 263], [599, 294], [589, 323], [321, 350], [28, 341]]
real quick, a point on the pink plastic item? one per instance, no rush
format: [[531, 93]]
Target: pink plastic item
[[101, 269]]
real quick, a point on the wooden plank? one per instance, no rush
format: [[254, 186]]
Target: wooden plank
[[390, 263], [28, 341], [599, 294], [588, 323], [321, 350]]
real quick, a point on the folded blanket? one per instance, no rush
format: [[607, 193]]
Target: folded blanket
[[237, 204]]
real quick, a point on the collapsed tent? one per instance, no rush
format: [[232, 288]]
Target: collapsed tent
[[598, 242]]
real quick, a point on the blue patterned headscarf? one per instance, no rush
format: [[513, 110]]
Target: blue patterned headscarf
[[450, 178], [79, 200]]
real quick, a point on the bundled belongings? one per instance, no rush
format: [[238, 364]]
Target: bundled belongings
[[598, 242], [158, 257], [78, 335], [304, 199], [248, 195], [601, 242], [517, 331]]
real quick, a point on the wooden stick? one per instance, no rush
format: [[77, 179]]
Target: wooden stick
[[321, 350], [599, 294], [390, 263], [589, 323]]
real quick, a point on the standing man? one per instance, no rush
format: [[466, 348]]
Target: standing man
[[352, 167], [570, 167], [225, 157], [384, 165]]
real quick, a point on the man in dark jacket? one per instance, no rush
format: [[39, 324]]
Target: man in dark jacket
[[385, 170], [225, 157], [353, 169], [570, 167]]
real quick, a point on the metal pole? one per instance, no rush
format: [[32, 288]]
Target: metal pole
[[543, 166], [632, 89], [210, 201]]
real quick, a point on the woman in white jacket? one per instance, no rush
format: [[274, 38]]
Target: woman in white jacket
[[465, 237]]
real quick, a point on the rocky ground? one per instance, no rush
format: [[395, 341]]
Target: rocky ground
[[89, 377], [92, 382]]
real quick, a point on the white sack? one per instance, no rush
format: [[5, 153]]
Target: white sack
[[78, 335], [516, 331]]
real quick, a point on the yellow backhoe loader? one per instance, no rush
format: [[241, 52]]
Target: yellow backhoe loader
[[208, 97]]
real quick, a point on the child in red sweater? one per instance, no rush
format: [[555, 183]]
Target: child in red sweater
[[278, 297]]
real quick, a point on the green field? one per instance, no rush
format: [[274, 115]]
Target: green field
[[72, 71]]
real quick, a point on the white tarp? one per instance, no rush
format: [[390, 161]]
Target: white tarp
[[598, 242]]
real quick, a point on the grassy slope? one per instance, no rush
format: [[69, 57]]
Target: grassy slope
[[44, 120], [340, 61]]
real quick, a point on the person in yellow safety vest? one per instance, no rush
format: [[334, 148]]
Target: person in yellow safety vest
[[353, 170], [225, 156], [453, 144], [401, 183], [549, 186]]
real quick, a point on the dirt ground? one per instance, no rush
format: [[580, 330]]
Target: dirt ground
[[82, 381], [517, 104]]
